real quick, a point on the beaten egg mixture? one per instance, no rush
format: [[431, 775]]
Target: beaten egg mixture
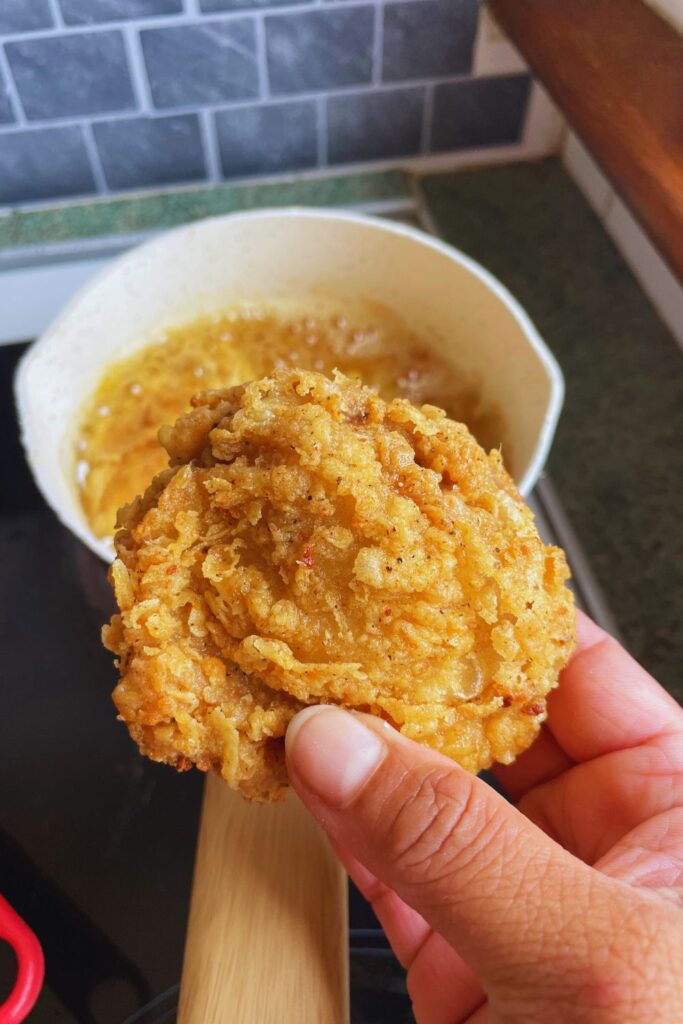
[[117, 449]]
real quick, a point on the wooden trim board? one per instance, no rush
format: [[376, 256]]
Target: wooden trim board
[[615, 68]]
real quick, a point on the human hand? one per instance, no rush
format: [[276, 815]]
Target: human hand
[[567, 907]]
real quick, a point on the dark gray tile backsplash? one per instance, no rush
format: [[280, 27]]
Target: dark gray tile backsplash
[[71, 75], [143, 151], [428, 38], [44, 164], [479, 112], [115, 95], [24, 15], [374, 125], [267, 139], [192, 65], [319, 50], [217, 6], [93, 12]]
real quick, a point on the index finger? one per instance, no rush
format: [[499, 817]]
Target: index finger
[[606, 701]]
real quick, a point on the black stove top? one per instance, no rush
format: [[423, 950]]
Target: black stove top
[[96, 843]]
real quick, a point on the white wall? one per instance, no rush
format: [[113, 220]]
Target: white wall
[[672, 10], [660, 284]]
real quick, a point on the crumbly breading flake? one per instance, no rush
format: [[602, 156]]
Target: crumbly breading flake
[[311, 543]]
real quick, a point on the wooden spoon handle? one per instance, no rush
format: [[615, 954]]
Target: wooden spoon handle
[[267, 937]]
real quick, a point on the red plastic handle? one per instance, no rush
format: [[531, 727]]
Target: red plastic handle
[[31, 966]]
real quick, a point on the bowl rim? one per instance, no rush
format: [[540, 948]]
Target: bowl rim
[[415, 234]]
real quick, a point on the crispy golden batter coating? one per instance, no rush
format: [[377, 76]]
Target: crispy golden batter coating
[[312, 543]]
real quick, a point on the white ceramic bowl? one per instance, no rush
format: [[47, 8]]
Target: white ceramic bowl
[[269, 257]]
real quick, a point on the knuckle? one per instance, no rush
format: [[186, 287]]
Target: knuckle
[[618, 962], [437, 827]]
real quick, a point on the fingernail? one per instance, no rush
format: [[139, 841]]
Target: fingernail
[[332, 752]]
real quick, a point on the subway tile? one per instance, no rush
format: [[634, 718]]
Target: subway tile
[[24, 15], [91, 12], [65, 76], [323, 49], [44, 163], [208, 62], [374, 125], [142, 151], [216, 6], [428, 38], [479, 112], [6, 114], [267, 139]]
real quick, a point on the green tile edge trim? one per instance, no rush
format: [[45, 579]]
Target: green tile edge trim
[[127, 215]]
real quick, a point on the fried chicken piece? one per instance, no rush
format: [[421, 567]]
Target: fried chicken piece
[[311, 543]]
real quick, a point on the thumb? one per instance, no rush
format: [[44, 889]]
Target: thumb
[[497, 888]]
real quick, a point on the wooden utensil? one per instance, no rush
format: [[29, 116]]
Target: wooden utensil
[[267, 937]]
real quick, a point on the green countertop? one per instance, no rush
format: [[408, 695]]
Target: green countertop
[[617, 461]]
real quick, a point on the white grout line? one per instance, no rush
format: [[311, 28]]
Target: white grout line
[[321, 125], [427, 118], [163, 21], [193, 108], [56, 13], [306, 5], [378, 48], [207, 131], [138, 70], [12, 92], [186, 18], [94, 157], [261, 58], [431, 163], [423, 165]]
